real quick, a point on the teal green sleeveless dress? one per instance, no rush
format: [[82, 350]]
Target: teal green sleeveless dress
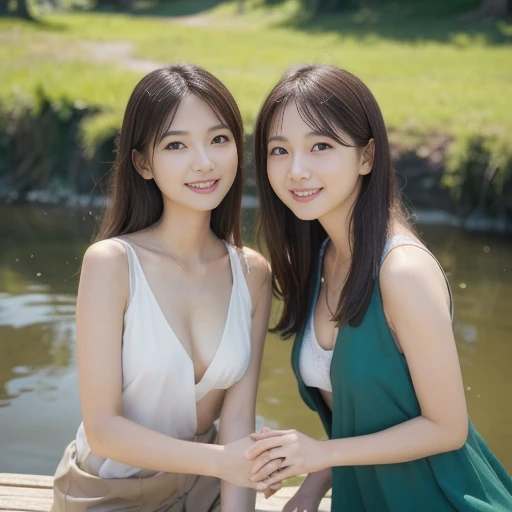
[[372, 391]]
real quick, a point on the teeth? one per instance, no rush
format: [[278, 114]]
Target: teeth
[[206, 184], [305, 193]]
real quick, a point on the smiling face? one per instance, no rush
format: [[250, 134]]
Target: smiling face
[[311, 173], [195, 162]]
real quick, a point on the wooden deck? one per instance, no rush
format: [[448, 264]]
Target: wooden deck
[[33, 493]]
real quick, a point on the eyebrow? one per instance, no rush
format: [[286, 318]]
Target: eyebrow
[[315, 133], [220, 126], [280, 138]]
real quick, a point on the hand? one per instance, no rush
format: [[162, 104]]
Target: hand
[[270, 491], [302, 502], [281, 454], [234, 468]]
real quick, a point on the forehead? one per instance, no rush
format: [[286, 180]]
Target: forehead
[[292, 122], [286, 118], [191, 113]]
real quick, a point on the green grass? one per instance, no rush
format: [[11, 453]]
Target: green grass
[[444, 76]]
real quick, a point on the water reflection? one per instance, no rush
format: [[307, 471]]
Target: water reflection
[[39, 405]]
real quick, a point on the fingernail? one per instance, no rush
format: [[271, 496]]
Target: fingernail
[[261, 487]]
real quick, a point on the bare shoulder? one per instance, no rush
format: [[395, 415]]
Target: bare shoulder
[[107, 254], [259, 267], [258, 274], [408, 262], [410, 273], [105, 263]]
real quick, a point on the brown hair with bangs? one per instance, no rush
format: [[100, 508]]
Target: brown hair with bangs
[[330, 100], [136, 203]]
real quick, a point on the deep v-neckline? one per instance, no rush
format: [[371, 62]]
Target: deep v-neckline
[[169, 327]]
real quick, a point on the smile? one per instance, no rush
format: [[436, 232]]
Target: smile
[[203, 187], [305, 195], [203, 184]]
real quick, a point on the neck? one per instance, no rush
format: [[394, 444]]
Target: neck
[[337, 225], [185, 233]]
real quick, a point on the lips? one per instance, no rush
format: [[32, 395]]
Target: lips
[[303, 195], [203, 186]]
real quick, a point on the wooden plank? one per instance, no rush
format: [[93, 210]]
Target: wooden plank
[[39, 481], [32, 492], [25, 504]]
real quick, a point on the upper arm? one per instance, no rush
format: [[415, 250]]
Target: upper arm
[[242, 395], [102, 297], [414, 295]]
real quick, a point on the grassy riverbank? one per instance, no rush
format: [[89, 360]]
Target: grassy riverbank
[[435, 73]]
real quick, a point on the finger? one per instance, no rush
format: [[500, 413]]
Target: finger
[[264, 459], [258, 436], [262, 446], [265, 470], [279, 454], [272, 490], [285, 473], [264, 429]]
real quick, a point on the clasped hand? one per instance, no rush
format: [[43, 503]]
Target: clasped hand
[[281, 454]]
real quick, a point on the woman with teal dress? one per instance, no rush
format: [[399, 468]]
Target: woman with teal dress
[[371, 308]]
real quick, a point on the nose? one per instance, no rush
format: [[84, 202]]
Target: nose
[[298, 171], [202, 161]]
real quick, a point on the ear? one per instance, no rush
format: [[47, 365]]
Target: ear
[[141, 165], [367, 156]]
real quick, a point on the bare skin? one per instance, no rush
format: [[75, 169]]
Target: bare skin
[[188, 269], [416, 306]]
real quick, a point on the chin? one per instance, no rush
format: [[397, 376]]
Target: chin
[[302, 214]]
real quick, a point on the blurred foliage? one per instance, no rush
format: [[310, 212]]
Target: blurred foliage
[[436, 76]]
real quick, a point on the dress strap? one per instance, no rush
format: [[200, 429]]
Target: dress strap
[[400, 241], [239, 267], [132, 263], [243, 259]]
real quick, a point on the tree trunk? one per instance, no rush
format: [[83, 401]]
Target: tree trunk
[[23, 10], [3, 7]]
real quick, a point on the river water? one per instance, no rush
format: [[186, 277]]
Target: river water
[[41, 250]]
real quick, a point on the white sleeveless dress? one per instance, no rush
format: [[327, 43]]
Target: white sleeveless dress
[[160, 393]]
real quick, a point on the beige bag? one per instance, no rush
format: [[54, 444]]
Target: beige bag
[[76, 490]]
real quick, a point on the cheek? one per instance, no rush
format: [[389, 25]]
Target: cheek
[[273, 177], [228, 159]]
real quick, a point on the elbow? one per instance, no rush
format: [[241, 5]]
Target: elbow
[[98, 438], [462, 437], [459, 435]]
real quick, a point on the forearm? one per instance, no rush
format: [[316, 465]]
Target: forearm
[[236, 498], [125, 441], [232, 496], [411, 440], [317, 484]]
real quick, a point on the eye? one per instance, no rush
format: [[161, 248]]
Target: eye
[[278, 151], [175, 145], [321, 146], [219, 139]]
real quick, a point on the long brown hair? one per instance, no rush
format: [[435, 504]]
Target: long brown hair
[[329, 100], [135, 203]]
